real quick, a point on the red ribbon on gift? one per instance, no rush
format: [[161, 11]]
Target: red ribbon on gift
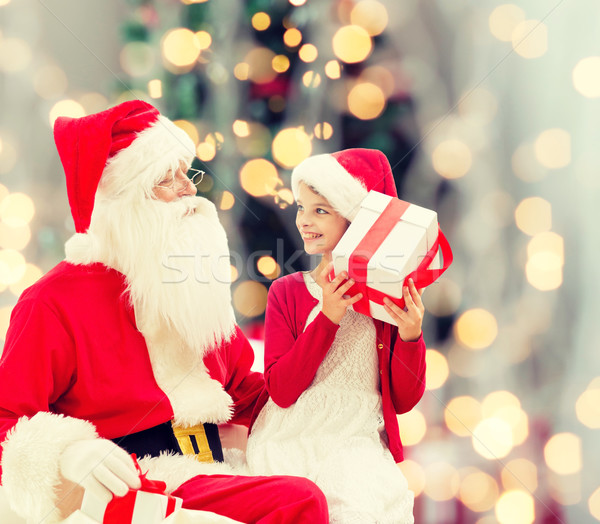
[[366, 248], [120, 509]]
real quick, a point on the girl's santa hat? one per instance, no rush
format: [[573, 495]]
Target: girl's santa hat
[[344, 178], [130, 147]]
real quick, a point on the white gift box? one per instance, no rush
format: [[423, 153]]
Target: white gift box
[[138, 507], [387, 241]]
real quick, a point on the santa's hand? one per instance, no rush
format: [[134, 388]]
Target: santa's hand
[[99, 466]]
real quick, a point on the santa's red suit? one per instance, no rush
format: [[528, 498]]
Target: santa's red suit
[[78, 366]]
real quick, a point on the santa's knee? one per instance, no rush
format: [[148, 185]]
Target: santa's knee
[[307, 499]]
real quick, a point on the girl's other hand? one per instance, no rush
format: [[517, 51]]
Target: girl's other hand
[[334, 302], [410, 321]]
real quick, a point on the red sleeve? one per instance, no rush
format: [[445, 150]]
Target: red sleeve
[[243, 385], [407, 380], [37, 364], [291, 361]]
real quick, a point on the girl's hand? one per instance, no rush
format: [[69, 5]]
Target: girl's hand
[[334, 303], [409, 322]]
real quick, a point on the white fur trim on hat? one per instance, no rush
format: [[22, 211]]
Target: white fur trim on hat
[[30, 470], [147, 159], [327, 177]]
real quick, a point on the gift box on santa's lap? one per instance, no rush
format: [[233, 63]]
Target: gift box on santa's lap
[[388, 242], [146, 505]]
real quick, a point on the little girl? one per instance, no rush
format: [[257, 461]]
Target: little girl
[[336, 378]]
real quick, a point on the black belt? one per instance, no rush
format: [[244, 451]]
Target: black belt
[[202, 441]]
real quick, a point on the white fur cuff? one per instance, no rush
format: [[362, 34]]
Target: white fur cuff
[[30, 471]]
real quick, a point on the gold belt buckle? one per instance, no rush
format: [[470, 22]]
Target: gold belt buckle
[[192, 439]]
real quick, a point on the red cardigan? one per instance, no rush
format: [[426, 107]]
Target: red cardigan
[[293, 356]]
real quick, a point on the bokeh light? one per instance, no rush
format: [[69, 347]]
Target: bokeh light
[[190, 129], [437, 370], [462, 414], [180, 48], [525, 164], [31, 274], [323, 130], [553, 148], [412, 427], [69, 108], [290, 147], [492, 438], [478, 491], [204, 39], [308, 53], [259, 177], [15, 54], [250, 298], [332, 69], [533, 215], [206, 151], [311, 79], [476, 328], [155, 88], [268, 267], [14, 237], [515, 507], [530, 38], [415, 475], [260, 21], [520, 474], [504, 19], [280, 63], [16, 209], [587, 406], [371, 15], [292, 37], [352, 44], [452, 158], [442, 481], [260, 65], [12, 266], [586, 76], [594, 504], [227, 201], [562, 453], [50, 82], [366, 101]]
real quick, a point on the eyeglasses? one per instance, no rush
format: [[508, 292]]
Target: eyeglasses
[[180, 180]]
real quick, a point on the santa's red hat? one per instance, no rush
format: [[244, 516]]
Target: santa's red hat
[[132, 139], [344, 178]]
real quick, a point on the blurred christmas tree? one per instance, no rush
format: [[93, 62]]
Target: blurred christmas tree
[[260, 85]]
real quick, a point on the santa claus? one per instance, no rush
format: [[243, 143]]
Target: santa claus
[[130, 344]]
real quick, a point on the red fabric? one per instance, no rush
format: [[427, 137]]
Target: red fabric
[[264, 500], [370, 166], [85, 144], [73, 348], [292, 357]]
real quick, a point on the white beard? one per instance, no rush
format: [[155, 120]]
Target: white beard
[[176, 261]]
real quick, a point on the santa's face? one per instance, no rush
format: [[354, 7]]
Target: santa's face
[[175, 185]]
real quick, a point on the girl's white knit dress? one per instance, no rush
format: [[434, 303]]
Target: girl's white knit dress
[[334, 433]]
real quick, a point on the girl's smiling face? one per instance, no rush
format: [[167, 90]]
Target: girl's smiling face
[[320, 226]]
